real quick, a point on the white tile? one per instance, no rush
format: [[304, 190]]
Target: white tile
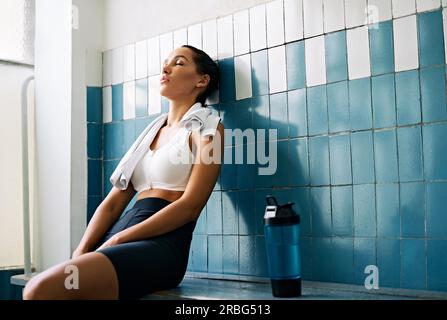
[[275, 23], [444, 19], [258, 33], [154, 97], [355, 13], [444, 3], [313, 17], [129, 62], [209, 38], [180, 37], [118, 65], [195, 35], [334, 15], [242, 36], [277, 69], [225, 37], [94, 68], [359, 64], [129, 100], [153, 56], [107, 66], [242, 71], [403, 7], [293, 20], [315, 61], [107, 104], [406, 55], [166, 48], [141, 59], [425, 5], [378, 11]]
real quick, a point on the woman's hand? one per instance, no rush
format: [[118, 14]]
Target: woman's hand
[[79, 251], [113, 241]]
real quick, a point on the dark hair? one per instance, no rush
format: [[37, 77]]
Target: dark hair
[[205, 65]]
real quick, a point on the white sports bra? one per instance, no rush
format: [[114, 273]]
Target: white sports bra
[[167, 167]]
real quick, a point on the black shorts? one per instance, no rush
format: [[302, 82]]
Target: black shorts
[[151, 264]]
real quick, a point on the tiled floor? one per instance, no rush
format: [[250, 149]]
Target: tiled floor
[[212, 289]]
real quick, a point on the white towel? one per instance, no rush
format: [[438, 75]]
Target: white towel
[[196, 118]]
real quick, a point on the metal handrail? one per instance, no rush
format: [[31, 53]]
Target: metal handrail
[[25, 176]]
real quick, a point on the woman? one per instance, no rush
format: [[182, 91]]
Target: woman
[[147, 249]]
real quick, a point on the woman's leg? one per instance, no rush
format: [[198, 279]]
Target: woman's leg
[[95, 273]]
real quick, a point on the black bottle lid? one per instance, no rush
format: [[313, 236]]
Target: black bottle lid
[[276, 214]]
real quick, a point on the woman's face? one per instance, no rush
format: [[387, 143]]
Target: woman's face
[[179, 78]]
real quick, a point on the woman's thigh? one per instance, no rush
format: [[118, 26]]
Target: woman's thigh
[[89, 276]]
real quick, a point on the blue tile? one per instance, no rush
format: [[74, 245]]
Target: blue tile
[[381, 44], [340, 157], [246, 172], [436, 265], [117, 102], [94, 140], [259, 73], [297, 113], [319, 160], [128, 133], [362, 157], [298, 164], [301, 198], [140, 125], [261, 112], [113, 140], [317, 110], [384, 104], [141, 99], [343, 262], [408, 97], [413, 263], [388, 262], [246, 213], [227, 87], [433, 94], [230, 254], [201, 222], [338, 107], [388, 219], [412, 209], [199, 246], [436, 209], [321, 211], [296, 65], [261, 257], [282, 175], [244, 119], [409, 143], [215, 264], [228, 177], [247, 263], [94, 104], [229, 120], [306, 258], [109, 167], [282, 195], [214, 213], [92, 204], [94, 177], [385, 151], [360, 104], [431, 38], [229, 212], [278, 114], [322, 259], [364, 255], [336, 57], [364, 210], [342, 211], [435, 151]]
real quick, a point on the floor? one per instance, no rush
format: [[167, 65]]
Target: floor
[[192, 288]]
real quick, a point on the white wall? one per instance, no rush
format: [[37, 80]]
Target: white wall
[[128, 21], [53, 129]]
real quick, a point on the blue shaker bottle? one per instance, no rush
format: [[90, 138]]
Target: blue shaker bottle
[[282, 234]]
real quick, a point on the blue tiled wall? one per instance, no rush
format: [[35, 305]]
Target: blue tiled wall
[[362, 158]]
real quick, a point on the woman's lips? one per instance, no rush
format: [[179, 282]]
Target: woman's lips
[[164, 80]]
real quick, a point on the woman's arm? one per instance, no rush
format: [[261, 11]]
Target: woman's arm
[[105, 215]]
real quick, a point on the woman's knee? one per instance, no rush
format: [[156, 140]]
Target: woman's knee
[[38, 288]]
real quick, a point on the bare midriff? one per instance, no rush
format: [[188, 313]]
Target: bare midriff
[[169, 195]]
